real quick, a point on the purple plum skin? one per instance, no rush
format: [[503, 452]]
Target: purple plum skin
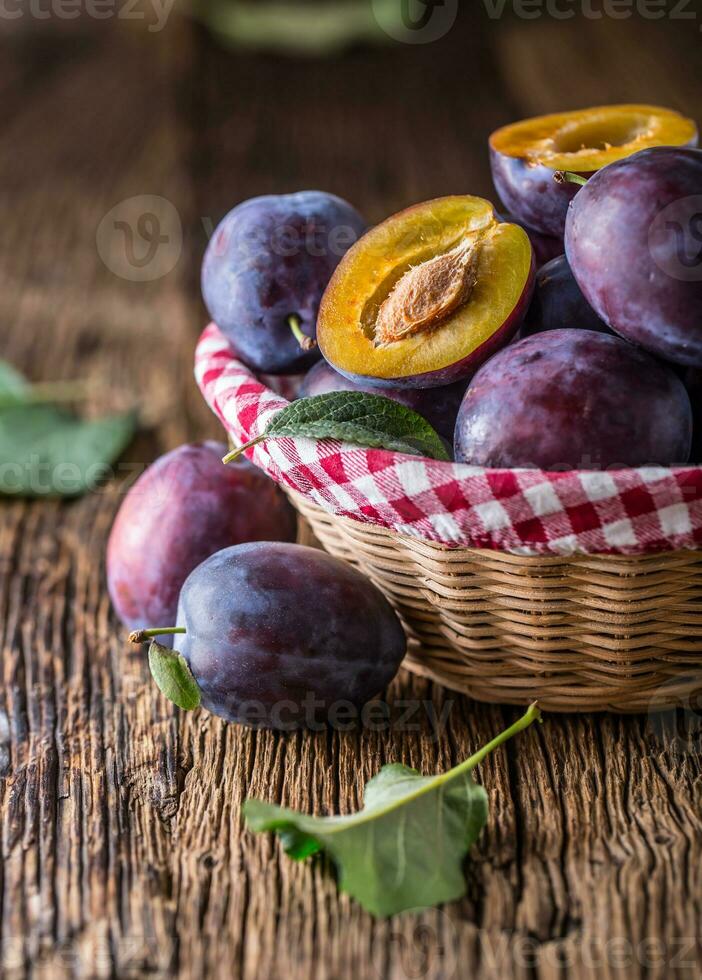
[[546, 247], [183, 508], [269, 258], [624, 250], [439, 406], [277, 634], [574, 399], [558, 302], [531, 194]]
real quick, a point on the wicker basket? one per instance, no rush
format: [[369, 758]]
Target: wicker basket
[[603, 626], [586, 633]]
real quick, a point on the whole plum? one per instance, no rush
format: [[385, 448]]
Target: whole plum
[[559, 303], [634, 243], [270, 260], [276, 634], [439, 406], [574, 399], [183, 508]]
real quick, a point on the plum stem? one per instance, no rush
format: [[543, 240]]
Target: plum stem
[[47, 393], [141, 636], [305, 342], [568, 177], [236, 453]]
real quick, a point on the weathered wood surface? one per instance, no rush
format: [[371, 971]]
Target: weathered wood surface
[[122, 848]]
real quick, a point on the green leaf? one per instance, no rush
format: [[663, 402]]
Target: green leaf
[[405, 849], [13, 387], [173, 676], [45, 451], [356, 417], [312, 28]]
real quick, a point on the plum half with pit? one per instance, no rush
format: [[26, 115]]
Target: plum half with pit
[[265, 270], [183, 508], [574, 399], [439, 406], [423, 299], [558, 302], [275, 635], [634, 243], [524, 156]]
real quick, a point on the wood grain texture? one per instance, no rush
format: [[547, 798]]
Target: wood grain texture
[[121, 842]]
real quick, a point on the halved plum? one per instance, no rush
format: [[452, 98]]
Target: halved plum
[[426, 297], [525, 155]]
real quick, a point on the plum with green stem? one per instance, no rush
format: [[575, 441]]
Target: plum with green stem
[[265, 270], [275, 635]]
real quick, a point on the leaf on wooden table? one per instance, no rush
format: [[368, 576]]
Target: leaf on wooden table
[[405, 849]]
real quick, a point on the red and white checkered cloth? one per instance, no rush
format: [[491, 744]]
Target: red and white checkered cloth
[[630, 511]]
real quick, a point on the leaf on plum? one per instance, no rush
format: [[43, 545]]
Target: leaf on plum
[[405, 849], [356, 417], [173, 676]]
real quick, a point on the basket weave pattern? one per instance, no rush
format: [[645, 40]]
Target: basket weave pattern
[[585, 633]]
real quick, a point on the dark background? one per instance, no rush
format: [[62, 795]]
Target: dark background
[[122, 851]]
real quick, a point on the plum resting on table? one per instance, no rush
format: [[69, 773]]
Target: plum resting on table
[[574, 399], [439, 406], [270, 259], [276, 634], [182, 509], [558, 302], [634, 243]]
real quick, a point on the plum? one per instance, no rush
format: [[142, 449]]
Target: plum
[[574, 399], [634, 243], [524, 156], [275, 635], [439, 406], [183, 508], [265, 270], [559, 303], [423, 299]]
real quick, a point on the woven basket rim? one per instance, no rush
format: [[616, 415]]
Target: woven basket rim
[[673, 486]]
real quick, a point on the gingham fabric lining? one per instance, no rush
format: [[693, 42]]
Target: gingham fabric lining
[[628, 512]]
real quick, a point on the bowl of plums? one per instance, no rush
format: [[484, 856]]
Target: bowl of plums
[[463, 440]]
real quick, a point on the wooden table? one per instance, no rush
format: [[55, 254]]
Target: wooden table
[[122, 847]]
